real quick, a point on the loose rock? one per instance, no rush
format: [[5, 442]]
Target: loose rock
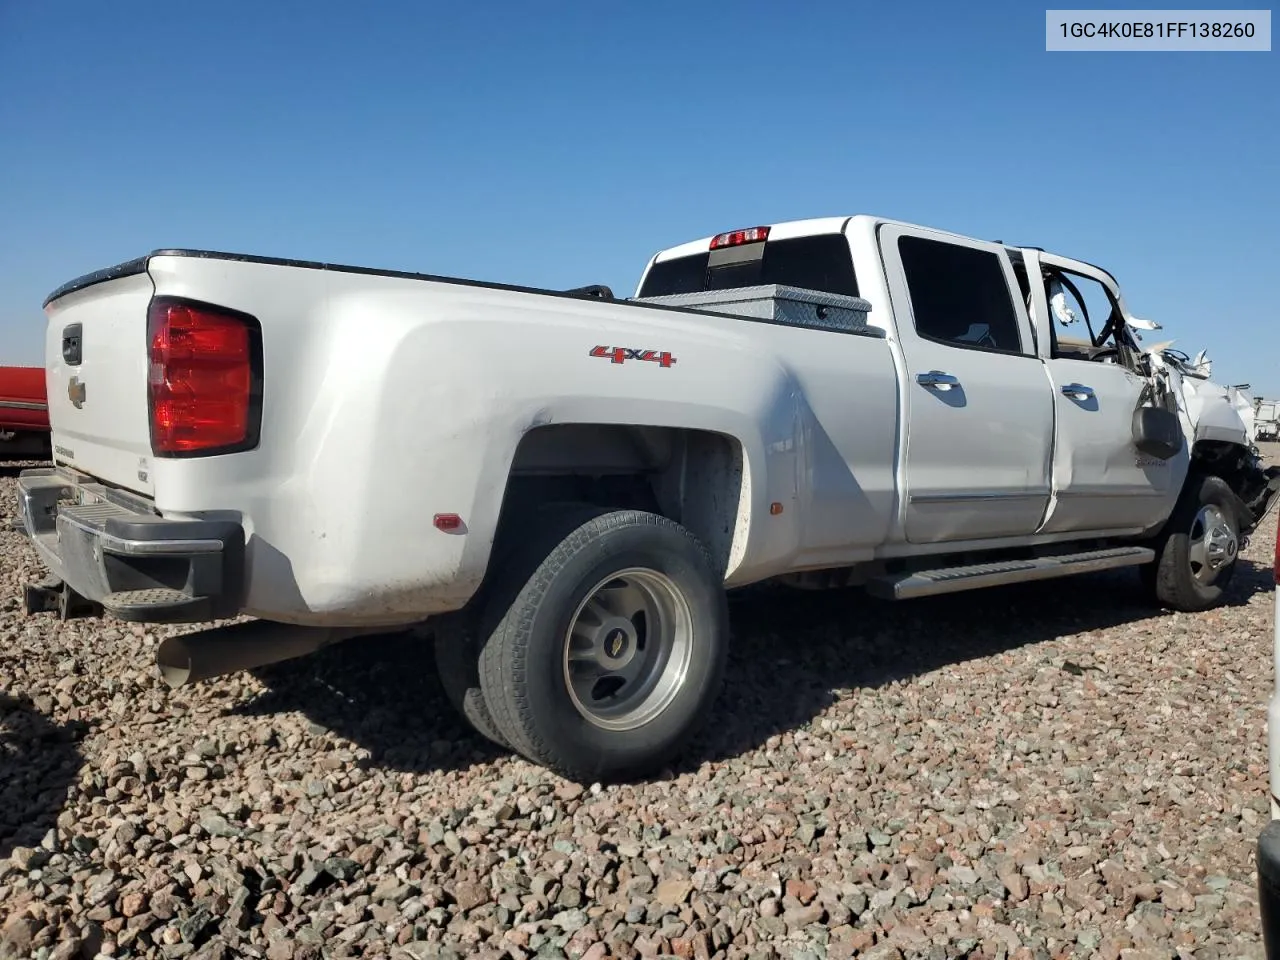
[[1061, 770]]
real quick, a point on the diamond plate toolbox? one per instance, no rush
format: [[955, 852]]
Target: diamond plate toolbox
[[790, 305]]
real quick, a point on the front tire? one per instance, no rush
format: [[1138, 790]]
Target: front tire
[[608, 643], [1197, 554]]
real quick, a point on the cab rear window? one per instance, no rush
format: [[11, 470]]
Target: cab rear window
[[820, 262]]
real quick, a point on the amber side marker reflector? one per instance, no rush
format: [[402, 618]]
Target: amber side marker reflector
[[775, 508]]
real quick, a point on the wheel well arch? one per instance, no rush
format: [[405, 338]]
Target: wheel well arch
[[1222, 458], [698, 478], [1253, 486]]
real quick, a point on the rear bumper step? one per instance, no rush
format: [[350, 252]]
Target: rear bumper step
[[924, 583], [109, 549]]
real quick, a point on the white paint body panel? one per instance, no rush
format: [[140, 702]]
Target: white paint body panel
[[109, 435], [1212, 407], [388, 399], [978, 453], [1099, 479]]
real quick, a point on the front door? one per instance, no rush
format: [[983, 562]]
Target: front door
[[978, 403], [1101, 481]]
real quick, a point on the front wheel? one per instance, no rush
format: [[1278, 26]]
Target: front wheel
[[608, 646], [1196, 556]]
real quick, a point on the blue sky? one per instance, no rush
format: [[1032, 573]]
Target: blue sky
[[561, 144]]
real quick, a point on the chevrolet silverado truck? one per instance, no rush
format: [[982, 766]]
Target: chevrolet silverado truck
[[562, 485]]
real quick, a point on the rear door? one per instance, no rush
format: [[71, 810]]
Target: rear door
[[96, 358], [978, 403]]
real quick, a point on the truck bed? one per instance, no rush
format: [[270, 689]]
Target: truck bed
[[386, 399]]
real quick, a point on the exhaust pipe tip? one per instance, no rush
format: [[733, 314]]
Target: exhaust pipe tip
[[173, 660], [190, 658]]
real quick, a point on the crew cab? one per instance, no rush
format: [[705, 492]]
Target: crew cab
[[564, 484]]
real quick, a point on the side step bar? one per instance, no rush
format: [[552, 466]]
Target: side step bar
[[924, 583]]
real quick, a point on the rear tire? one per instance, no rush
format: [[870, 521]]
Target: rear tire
[[608, 643], [457, 655], [1197, 554]]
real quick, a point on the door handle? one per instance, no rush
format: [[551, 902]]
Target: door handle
[[71, 344], [1077, 391], [937, 380]]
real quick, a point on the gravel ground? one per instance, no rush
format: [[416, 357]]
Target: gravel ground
[[1049, 770]]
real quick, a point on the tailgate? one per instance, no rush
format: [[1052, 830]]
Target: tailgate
[[96, 357]]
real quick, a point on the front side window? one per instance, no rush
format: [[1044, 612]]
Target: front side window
[[959, 295], [1083, 316]]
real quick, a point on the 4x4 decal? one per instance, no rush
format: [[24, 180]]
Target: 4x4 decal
[[623, 354]]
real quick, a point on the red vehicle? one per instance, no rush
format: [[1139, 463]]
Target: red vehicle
[[24, 414]]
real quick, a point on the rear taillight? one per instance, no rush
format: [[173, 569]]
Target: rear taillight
[[204, 379]]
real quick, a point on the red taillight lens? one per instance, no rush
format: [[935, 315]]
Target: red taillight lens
[[203, 380], [736, 238]]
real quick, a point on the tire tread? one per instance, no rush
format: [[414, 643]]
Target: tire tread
[[1171, 578], [457, 665], [561, 534]]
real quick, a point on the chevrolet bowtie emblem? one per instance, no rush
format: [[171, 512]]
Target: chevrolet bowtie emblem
[[75, 392]]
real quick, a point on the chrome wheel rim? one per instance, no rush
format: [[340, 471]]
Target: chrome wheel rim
[[1213, 545], [628, 648]]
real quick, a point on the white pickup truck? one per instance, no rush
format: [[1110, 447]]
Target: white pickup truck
[[564, 484], [1266, 415]]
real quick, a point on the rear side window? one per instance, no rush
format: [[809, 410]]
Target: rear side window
[[821, 262], [959, 295]]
